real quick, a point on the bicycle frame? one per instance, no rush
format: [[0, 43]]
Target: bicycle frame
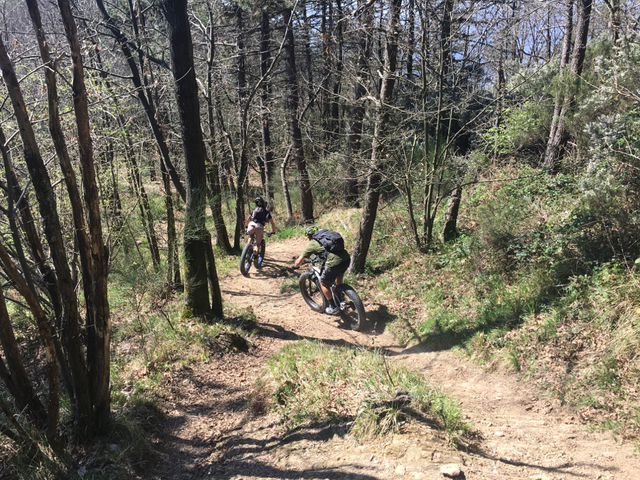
[[317, 271]]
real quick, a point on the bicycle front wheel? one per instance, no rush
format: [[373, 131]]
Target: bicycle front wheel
[[257, 261], [311, 292], [351, 307], [246, 259]]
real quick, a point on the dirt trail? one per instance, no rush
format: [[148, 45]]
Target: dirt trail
[[521, 433]]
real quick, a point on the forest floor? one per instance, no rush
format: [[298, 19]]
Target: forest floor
[[519, 432]]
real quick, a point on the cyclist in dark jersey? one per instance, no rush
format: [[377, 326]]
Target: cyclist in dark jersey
[[257, 221]]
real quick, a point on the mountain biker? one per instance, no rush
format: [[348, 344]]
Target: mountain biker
[[335, 264], [256, 222]]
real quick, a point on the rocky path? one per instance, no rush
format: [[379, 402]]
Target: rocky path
[[521, 434]]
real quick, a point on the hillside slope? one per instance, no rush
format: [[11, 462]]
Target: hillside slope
[[519, 432]]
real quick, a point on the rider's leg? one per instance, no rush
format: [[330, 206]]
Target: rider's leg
[[327, 278], [259, 233], [327, 292]]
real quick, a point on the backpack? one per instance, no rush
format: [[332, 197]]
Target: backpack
[[331, 241], [260, 215]]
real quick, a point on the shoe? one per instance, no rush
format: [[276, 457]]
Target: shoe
[[332, 310]]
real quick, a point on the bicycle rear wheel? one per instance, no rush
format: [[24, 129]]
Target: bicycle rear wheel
[[351, 307], [311, 292], [257, 260], [246, 259]]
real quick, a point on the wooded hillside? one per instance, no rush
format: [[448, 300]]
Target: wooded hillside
[[497, 144]]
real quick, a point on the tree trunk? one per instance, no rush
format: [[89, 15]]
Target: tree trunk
[[242, 166], [267, 151], [16, 379], [306, 198], [215, 199], [451, 217], [374, 178], [44, 329], [557, 139], [354, 144], [334, 113], [99, 334], [146, 103], [49, 280], [285, 186], [186, 91], [173, 265], [52, 228]]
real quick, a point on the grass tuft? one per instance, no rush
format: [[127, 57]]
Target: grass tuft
[[310, 382]]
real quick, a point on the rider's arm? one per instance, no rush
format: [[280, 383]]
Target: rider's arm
[[273, 226], [298, 262]]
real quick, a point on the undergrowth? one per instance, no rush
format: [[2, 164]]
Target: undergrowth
[[539, 280], [310, 382]]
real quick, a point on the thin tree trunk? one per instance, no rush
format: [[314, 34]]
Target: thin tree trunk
[[146, 103], [17, 381], [306, 40], [557, 139], [215, 199], [334, 125], [354, 144], [285, 186], [55, 128], [99, 334], [374, 178], [242, 167], [37, 251], [267, 151], [451, 217], [52, 228], [306, 198], [44, 329], [173, 265]]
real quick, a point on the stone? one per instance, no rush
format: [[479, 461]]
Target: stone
[[450, 470]]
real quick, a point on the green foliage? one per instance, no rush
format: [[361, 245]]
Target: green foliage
[[310, 382], [521, 128]]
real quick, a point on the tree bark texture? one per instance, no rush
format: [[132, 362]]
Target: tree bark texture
[[451, 217], [44, 329], [265, 114], [99, 334], [186, 91], [374, 177], [557, 139], [215, 187], [70, 325], [354, 145], [146, 102], [306, 198]]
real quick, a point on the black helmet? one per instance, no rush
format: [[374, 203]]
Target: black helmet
[[259, 202]]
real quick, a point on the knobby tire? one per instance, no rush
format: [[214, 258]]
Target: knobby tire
[[353, 312], [312, 293], [245, 259]]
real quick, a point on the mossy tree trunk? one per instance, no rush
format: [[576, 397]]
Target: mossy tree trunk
[[196, 236]]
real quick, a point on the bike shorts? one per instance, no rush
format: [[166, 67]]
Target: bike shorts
[[254, 227], [329, 274]]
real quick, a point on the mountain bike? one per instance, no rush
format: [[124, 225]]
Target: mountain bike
[[351, 307], [249, 258]]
